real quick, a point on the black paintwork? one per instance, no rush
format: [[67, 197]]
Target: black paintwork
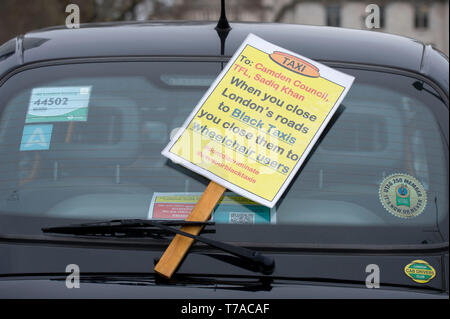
[[201, 39], [35, 268]]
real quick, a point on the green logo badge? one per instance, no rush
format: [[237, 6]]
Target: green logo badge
[[420, 271], [403, 195]]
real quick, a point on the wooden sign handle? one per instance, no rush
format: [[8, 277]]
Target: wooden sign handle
[[181, 244]]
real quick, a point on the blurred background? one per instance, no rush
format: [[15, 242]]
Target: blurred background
[[426, 21]]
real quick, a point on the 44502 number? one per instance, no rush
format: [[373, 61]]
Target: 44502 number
[[52, 101]]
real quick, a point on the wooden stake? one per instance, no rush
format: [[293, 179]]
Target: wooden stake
[[181, 244]]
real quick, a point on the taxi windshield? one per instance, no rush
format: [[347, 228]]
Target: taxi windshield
[[380, 167]]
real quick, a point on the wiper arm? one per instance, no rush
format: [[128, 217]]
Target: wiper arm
[[265, 264]]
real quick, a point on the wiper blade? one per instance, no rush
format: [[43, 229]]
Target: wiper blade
[[119, 225], [123, 228], [150, 227]]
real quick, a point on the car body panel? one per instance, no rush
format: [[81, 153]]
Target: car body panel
[[297, 275], [120, 288], [201, 39]]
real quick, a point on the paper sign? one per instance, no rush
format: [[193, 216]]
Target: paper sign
[[231, 209], [58, 104], [258, 121], [36, 137]]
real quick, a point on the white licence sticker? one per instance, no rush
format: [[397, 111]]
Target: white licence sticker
[[58, 104]]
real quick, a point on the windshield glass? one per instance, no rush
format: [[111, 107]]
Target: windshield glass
[[84, 141]]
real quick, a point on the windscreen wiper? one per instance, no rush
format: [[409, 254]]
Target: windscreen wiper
[[123, 228], [131, 227]]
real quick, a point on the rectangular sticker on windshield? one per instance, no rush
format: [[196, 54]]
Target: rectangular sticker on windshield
[[36, 137], [59, 104], [231, 209]]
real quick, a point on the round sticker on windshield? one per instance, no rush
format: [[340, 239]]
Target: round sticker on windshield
[[403, 195]]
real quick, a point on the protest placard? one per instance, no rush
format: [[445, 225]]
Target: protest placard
[[253, 129], [259, 120]]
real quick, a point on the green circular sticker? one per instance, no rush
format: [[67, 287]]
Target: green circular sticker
[[403, 195]]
